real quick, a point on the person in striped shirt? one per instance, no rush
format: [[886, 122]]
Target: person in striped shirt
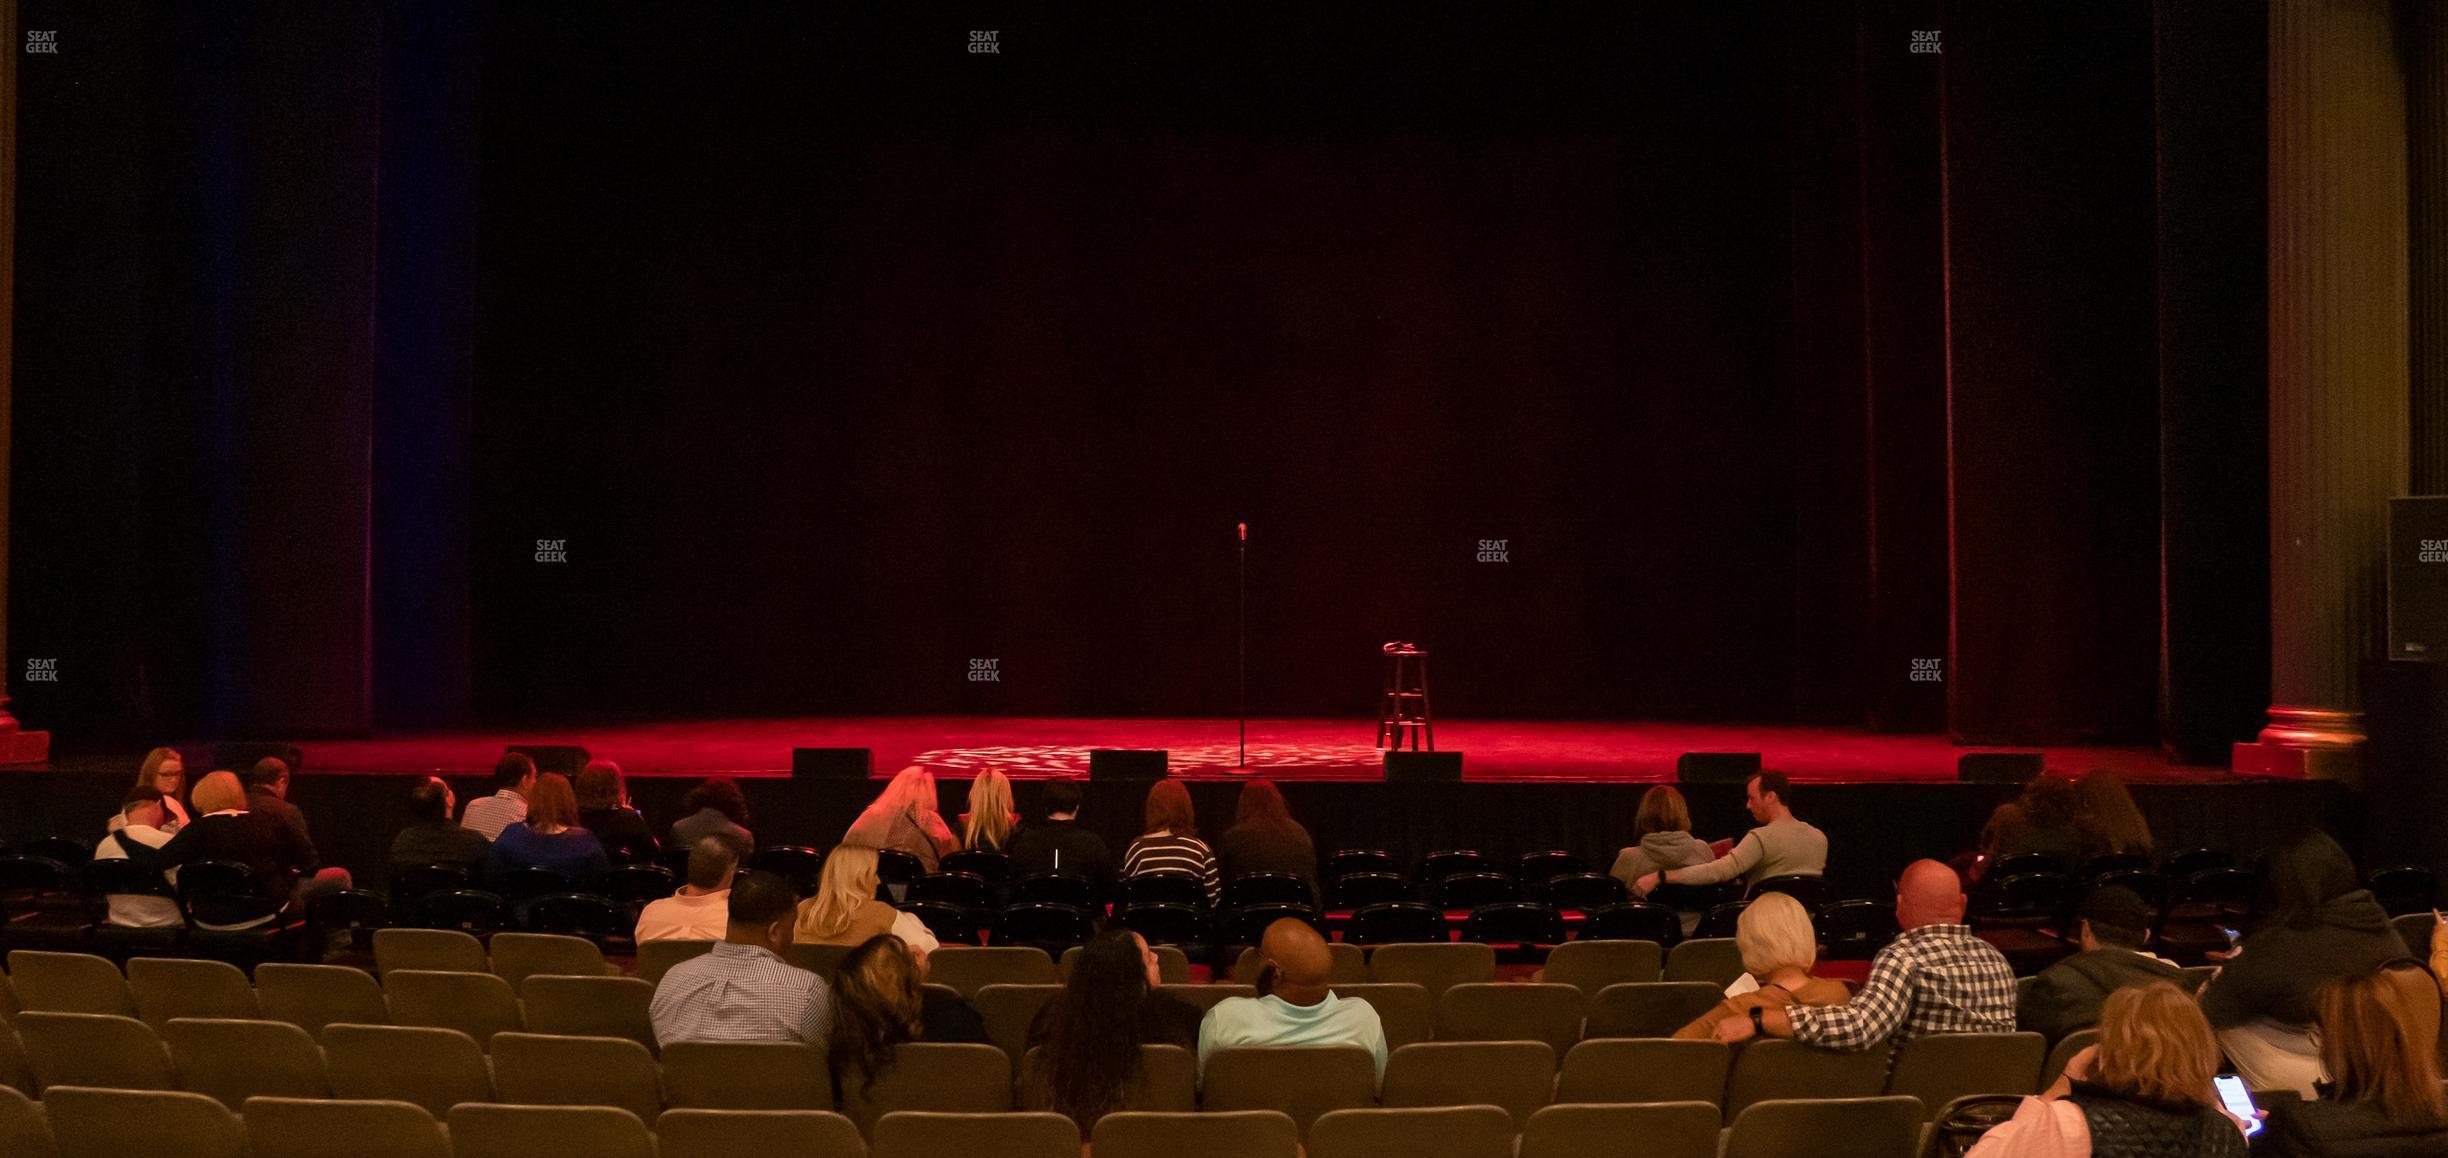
[[1169, 840]]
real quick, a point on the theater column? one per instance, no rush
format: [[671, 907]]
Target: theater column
[[17, 745], [2427, 153], [2338, 424]]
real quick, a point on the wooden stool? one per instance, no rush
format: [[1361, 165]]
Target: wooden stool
[[1405, 707]]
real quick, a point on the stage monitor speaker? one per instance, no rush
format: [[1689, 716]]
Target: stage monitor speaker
[[1415, 766], [2418, 578], [1127, 763], [832, 763], [566, 759], [239, 755], [1716, 767], [1998, 767]]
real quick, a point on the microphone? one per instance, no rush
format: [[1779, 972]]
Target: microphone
[[1244, 528]]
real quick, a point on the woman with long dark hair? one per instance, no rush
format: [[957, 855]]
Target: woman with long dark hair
[[604, 809], [880, 1002], [1089, 1036], [1265, 839]]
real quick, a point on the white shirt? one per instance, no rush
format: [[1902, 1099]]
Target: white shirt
[[491, 814], [683, 917], [1271, 1020], [140, 912]]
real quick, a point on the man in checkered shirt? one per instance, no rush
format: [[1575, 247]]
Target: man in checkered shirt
[[1935, 978], [741, 990]]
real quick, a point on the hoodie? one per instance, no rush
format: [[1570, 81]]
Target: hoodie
[[1659, 850], [2316, 926], [2067, 996]]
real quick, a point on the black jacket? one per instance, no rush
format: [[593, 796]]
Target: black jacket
[[2327, 1129], [2280, 967], [2066, 996], [1043, 846], [277, 852]]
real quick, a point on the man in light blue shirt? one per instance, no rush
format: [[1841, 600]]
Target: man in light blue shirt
[[1294, 1006]]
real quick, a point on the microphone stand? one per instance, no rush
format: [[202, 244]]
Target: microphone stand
[[1241, 640]]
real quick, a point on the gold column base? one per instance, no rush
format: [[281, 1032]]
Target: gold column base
[[2306, 744]]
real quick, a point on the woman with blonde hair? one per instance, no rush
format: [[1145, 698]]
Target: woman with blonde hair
[[1778, 949], [164, 772], [2144, 1090], [1661, 837], [987, 826], [2379, 1044], [845, 910], [904, 817]]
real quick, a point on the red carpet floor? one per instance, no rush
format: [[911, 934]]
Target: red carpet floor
[[1290, 748]]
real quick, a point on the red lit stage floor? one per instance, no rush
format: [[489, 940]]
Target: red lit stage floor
[[1304, 749]]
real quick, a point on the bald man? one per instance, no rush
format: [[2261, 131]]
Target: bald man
[[1935, 978], [1293, 1006]]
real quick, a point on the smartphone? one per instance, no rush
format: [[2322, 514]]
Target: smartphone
[[2238, 1101]]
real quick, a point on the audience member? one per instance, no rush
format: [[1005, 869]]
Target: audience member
[[1169, 840], [1778, 949], [2313, 923], [2379, 1046], [1265, 839], [2113, 925], [1934, 978], [431, 838], [2143, 1092], [2109, 816], [741, 990], [1661, 838], [165, 773], [715, 805], [513, 776], [268, 793], [2044, 819], [701, 909], [987, 826], [1780, 846], [1294, 1005], [1055, 842], [1087, 1038], [225, 829], [881, 1002], [845, 910], [903, 817], [604, 809], [550, 837], [141, 817]]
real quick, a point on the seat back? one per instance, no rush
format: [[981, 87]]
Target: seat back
[[1434, 968], [1397, 923], [1652, 1009], [167, 987], [1009, 1010], [1941, 1067], [1645, 1070], [519, 956], [1207, 1134], [2074, 1043], [24, 1131], [1716, 960], [16, 1072], [94, 1049], [327, 1128], [104, 1123], [542, 1070], [68, 983], [821, 960], [479, 1130], [1773, 1068], [1347, 964], [1593, 965], [655, 958], [936, 1077], [1827, 1128], [476, 1004], [1665, 1130], [740, 1133], [590, 1007], [1404, 1010], [1447, 1131], [1167, 1081], [231, 1061], [1516, 1076], [1300, 1081], [930, 1134], [313, 996], [1491, 1011], [448, 950], [1633, 921], [740, 1075], [1205, 997], [434, 1069], [969, 968]]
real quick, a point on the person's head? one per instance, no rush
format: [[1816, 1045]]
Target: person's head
[[431, 800], [990, 811], [143, 807], [847, 884], [1093, 1029], [219, 792], [761, 908], [2379, 1042], [1262, 803], [270, 774], [163, 772], [2050, 803], [514, 772], [1168, 809], [720, 793], [1294, 963], [1768, 795], [911, 793], [551, 804], [1929, 893], [1662, 809], [2115, 917], [2108, 810], [2300, 878], [1061, 797], [712, 863], [878, 1002], [601, 786], [1774, 934], [2154, 1044]]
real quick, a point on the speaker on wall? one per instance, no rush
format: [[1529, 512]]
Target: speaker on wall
[[240, 755], [831, 763], [1127, 764], [1998, 767], [566, 759], [2418, 578], [1413, 766], [1716, 767]]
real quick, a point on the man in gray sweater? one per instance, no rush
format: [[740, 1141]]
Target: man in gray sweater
[[1780, 846]]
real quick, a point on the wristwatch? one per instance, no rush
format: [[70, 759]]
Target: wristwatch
[[1756, 1025]]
